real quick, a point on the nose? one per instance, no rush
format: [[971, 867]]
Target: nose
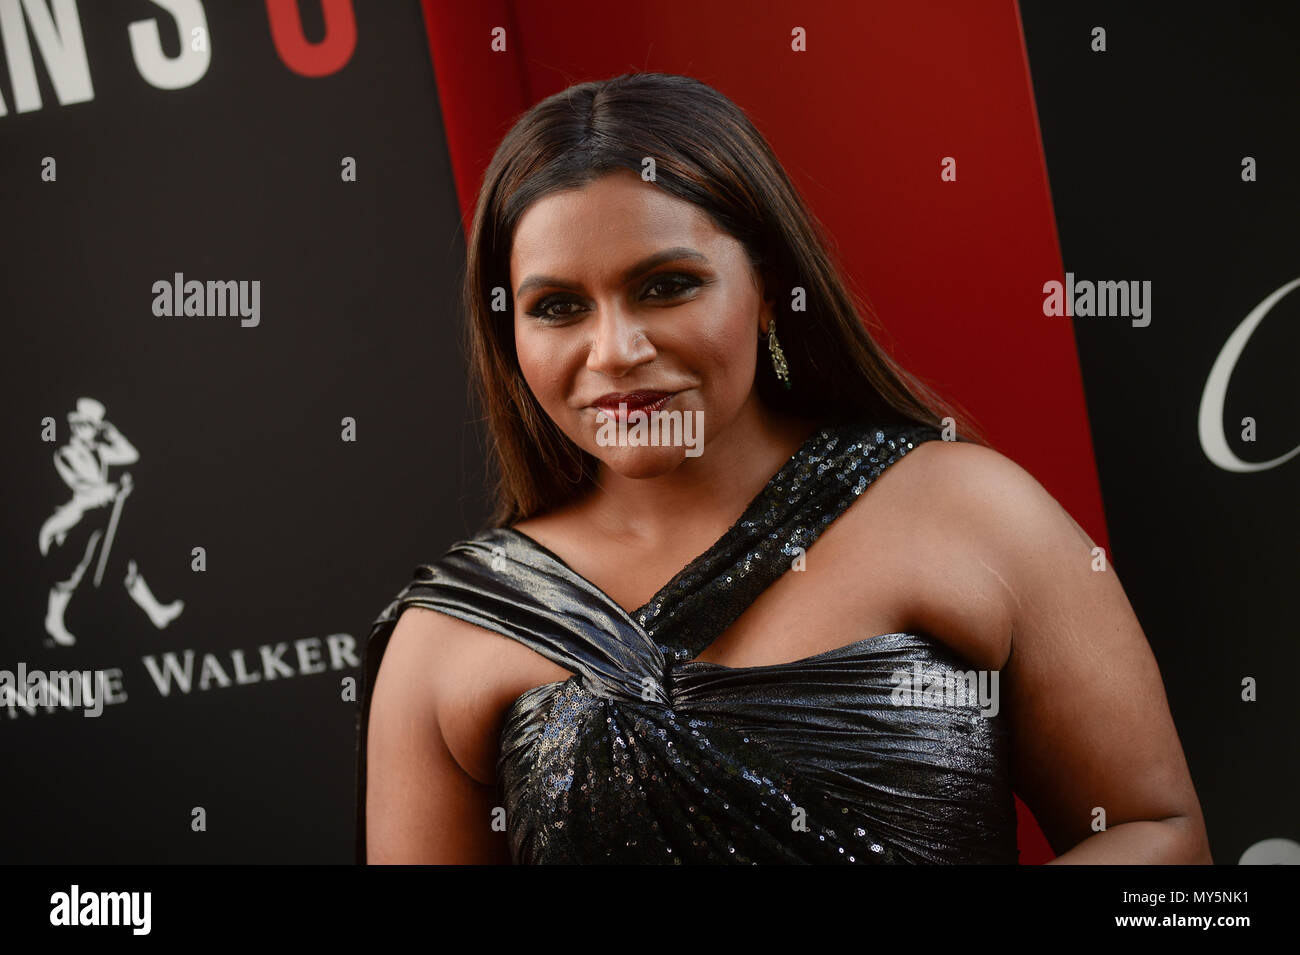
[[618, 343]]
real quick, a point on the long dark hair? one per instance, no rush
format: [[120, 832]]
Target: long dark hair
[[707, 152]]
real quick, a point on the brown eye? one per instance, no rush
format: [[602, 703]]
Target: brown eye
[[673, 284], [663, 287], [542, 309]]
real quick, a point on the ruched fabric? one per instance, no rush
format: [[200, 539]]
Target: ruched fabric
[[647, 755]]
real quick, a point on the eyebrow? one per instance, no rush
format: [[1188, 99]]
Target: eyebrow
[[645, 265]]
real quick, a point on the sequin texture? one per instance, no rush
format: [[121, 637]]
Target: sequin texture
[[647, 755]]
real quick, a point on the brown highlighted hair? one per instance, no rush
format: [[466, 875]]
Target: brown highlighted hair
[[706, 152]]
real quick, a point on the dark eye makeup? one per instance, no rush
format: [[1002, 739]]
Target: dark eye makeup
[[673, 285]]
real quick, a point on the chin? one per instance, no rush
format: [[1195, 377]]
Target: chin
[[640, 463]]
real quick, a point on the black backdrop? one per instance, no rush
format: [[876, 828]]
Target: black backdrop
[[1144, 147], [238, 429]]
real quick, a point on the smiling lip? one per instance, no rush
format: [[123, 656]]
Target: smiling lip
[[646, 401]]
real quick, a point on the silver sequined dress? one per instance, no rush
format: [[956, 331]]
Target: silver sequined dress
[[648, 755]]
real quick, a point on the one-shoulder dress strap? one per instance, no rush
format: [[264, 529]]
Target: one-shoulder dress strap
[[814, 487], [497, 582]]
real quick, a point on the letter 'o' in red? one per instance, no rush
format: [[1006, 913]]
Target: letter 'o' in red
[[313, 59]]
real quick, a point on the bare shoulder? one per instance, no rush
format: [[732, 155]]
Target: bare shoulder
[[1014, 527], [983, 490], [965, 465], [984, 540]]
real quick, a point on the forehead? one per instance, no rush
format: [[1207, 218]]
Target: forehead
[[610, 221]]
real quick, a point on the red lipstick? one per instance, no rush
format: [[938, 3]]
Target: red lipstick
[[644, 401]]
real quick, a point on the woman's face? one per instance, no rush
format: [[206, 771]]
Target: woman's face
[[621, 288]]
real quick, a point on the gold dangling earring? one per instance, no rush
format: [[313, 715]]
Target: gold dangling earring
[[778, 356]]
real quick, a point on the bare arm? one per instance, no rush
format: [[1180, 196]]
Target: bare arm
[[421, 806], [1090, 722]]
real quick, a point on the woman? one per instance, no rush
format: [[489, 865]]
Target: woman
[[645, 658]]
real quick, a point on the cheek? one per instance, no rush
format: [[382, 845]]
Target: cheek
[[543, 364], [724, 343]]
